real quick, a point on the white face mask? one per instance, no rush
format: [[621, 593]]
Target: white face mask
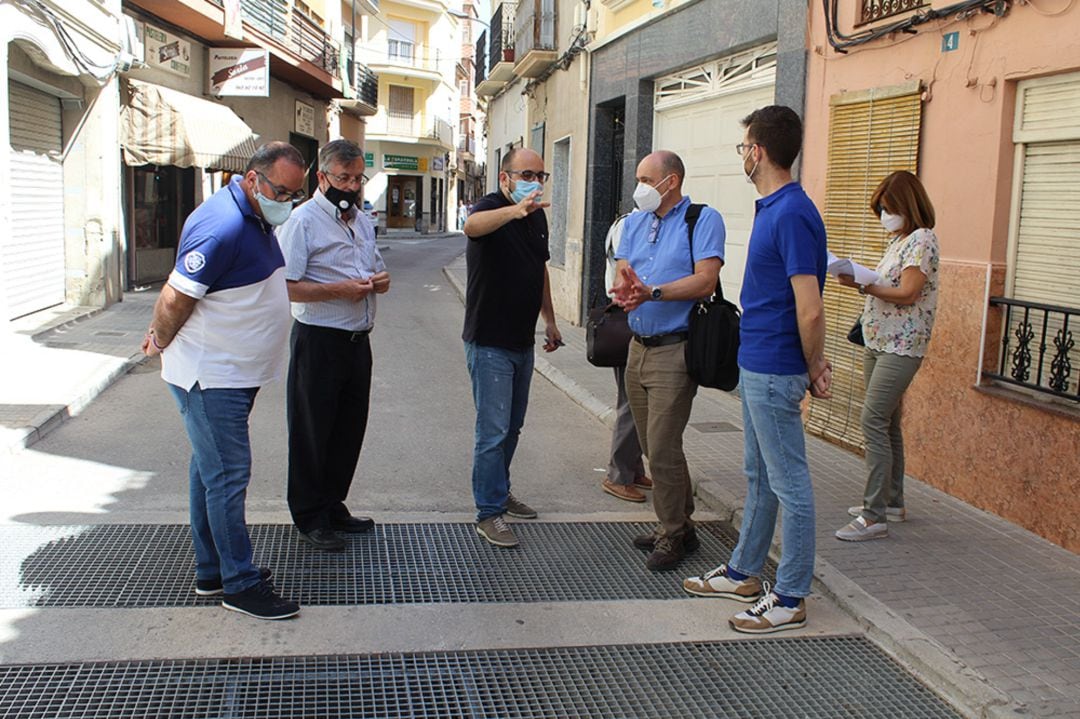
[[891, 223], [750, 175], [647, 197]]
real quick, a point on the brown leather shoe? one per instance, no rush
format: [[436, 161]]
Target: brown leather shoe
[[691, 543], [623, 491], [643, 482]]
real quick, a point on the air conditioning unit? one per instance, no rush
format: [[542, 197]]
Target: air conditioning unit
[[132, 50]]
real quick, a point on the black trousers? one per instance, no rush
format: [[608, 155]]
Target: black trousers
[[327, 398]]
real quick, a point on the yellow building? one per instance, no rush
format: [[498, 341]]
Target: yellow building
[[414, 47]]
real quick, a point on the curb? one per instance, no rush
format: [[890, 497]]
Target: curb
[[960, 685]]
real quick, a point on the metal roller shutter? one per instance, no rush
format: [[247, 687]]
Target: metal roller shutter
[[32, 254], [871, 133]]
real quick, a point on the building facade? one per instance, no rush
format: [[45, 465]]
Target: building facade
[[415, 49], [292, 76], [984, 104], [680, 76], [60, 176]]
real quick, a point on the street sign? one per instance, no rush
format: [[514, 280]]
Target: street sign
[[950, 41], [369, 159]]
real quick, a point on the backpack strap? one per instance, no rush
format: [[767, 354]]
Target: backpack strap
[[693, 212]]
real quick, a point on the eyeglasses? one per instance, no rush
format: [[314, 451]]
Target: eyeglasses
[[282, 194], [345, 179], [742, 147], [530, 176]]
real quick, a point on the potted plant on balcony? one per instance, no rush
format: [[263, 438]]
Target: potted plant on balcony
[[508, 54]]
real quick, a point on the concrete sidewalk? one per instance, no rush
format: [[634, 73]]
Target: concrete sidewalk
[[985, 611]]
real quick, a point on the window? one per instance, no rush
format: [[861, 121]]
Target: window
[[400, 120], [560, 201], [401, 42], [871, 133], [536, 138], [1040, 314]]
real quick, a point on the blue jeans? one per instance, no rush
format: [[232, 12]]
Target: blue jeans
[[777, 477], [217, 425], [500, 383]]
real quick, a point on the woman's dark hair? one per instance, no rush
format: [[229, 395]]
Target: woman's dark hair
[[901, 193]]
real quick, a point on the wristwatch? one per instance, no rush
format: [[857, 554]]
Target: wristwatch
[[862, 289], [657, 293]]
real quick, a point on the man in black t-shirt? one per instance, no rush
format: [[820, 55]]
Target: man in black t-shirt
[[508, 288]]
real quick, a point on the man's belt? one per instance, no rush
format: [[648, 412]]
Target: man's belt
[[661, 340], [347, 335]]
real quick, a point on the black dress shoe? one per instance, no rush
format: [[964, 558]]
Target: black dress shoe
[[324, 539], [353, 525]]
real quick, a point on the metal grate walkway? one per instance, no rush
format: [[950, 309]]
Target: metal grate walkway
[[800, 677], [152, 565]]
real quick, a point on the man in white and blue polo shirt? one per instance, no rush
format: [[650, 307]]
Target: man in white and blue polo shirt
[[658, 278], [220, 325], [333, 270]]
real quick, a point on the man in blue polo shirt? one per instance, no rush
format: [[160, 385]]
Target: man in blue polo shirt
[[221, 324], [781, 356], [658, 278]]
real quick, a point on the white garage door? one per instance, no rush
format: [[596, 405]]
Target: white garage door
[[698, 114], [32, 253]]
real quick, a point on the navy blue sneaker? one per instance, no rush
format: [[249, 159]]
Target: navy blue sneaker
[[262, 602]]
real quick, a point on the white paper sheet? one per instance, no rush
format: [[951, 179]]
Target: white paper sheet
[[848, 266]]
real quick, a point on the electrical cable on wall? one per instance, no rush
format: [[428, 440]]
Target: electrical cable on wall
[[842, 42], [70, 46]]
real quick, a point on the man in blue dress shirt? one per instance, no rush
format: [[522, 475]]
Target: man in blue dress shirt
[[657, 281]]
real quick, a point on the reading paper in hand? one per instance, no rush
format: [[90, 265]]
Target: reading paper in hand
[[848, 266]]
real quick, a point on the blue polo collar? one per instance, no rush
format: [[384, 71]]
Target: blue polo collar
[[769, 200]]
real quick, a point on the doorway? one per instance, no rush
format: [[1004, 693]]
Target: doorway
[[403, 201], [309, 149]]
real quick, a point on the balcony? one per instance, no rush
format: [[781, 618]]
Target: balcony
[[466, 148], [534, 37], [410, 129], [480, 59], [365, 89], [410, 60], [301, 52], [872, 10], [500, 51]]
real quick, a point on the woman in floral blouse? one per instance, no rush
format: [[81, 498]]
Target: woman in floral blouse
[[896, 323]]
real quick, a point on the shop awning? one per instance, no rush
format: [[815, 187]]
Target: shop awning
[[161, 126]]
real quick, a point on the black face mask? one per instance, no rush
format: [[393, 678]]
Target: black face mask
[[341, 199]]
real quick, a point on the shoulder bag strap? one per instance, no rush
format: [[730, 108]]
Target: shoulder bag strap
[[693, 212]]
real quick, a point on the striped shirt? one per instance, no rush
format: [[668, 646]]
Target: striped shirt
[[320, 246]]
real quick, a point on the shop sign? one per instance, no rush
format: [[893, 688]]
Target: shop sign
[[438, 163], [239, 72], [401, 162], [369, 159], [166, 51], [422, 164], [305, 119]]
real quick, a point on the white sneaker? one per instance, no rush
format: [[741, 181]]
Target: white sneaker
[[858, 530], [768, 616], [893, 514], [717, 584]]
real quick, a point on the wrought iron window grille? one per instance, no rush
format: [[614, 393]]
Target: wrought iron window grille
[[1038, 348], [874, 10]]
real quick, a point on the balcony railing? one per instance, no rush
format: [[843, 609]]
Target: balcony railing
[[1038, 348], [365, 83], [467, 144], [501, 41], [282, 21], [441, 130], [480, 64], [534, 27], [407, 54], [871, 10]]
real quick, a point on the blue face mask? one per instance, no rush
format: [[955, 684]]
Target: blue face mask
[[276, 213], [522, 190]]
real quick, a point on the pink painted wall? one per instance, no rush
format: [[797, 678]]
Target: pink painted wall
[[1000, 454]]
